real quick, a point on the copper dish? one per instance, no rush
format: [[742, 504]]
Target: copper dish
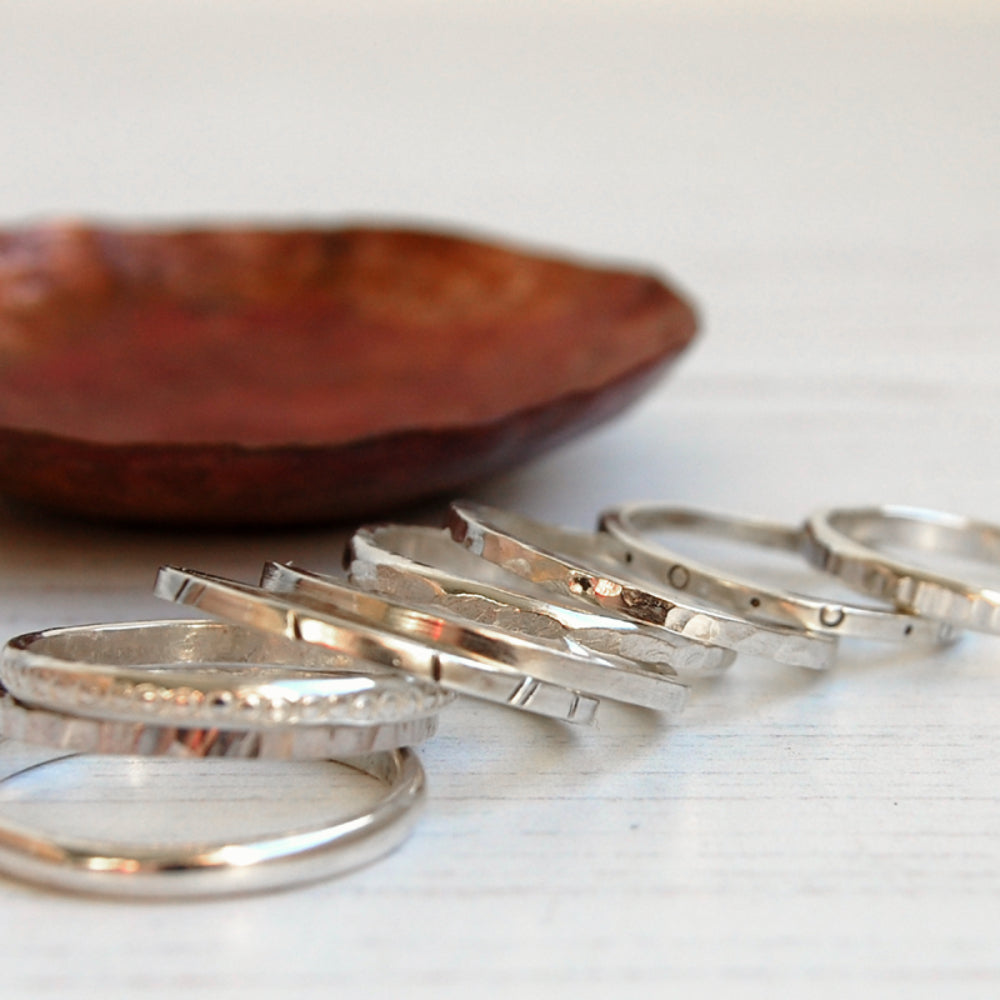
[[266, 376]]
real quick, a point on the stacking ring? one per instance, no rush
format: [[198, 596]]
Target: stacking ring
[[589, 566], [597, 676], [630, 523], [82, 734], [224, 866], [851, 544], [424, 566], [206, 674], [461, 659]]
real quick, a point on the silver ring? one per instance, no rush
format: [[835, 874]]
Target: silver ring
[[206, 674], [460, 659], [424, 566], [82, 734], [589, 566], [597, 676], [224, 867], [630, 523], [850, 544]]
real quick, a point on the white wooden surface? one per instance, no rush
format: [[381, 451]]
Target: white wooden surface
[[824, 179]]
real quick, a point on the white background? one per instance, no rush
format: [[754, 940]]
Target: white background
[[823, 178]]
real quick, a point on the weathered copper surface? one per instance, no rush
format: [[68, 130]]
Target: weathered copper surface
[[252, 376]]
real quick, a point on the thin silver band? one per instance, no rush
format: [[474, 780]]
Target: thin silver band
[[424, 566], [849, 543], [224, 867], [589, 566], [603, 677], [206, 674], [630, 523], [82, 734], [459, 659]]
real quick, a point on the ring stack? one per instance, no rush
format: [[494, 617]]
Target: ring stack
[[494, 605]]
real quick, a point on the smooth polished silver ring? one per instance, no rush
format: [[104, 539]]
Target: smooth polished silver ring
[[84, 734], [852, 544], [631, 524], [424, 566], [590, 566], [599, 676], [206, 674], [460, 659], [224, 866]]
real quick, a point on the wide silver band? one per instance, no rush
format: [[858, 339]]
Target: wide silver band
[[590, 566], [424, 566], [224, 866], [630, 524], [852, 545], [81, 734], [206, 674], [603, 677], [460, 659]]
